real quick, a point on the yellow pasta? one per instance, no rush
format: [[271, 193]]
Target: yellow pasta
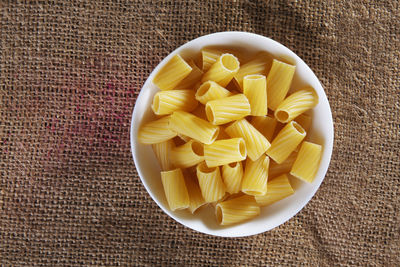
[[163, 154], [256, 143], [187, 124], [166, 102], [209, 56], [156, 131], [195, 196], [259, 65], [210, 91], [296, 104], [223, 152], [223, 70], [304, 120], [306, 164], [175, 189], [187, 155], [192, 79], [200, 112], [278, 82], [276, 169], [227, 109], [278, 189], [237, 210], [255, 177], [265, 125], [210, 181], [172, 73], [255, 89], [232, 175], [286, 141]]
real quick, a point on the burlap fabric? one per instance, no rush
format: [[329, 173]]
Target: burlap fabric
[[70, 74]]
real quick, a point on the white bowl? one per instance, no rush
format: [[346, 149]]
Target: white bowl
[[272, 216]]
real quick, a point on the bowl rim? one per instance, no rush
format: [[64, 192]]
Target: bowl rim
[[328, 147]]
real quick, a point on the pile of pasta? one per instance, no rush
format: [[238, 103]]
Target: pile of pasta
[[228, 135]]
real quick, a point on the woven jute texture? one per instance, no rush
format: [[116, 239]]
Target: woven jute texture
[[70, 74]]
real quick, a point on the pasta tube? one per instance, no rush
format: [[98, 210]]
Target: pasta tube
[[195, 196], [255, 177], [286, 142], [166, 102], [223, 152], [278, 82], [223, 70], [209, 56], [276, 169], [296, 104], [232, 175], [259, 65], [172, 73], [156, 131], [265, 125], [193, 127], [256, 143], [187, 155], [227, 109], [210, 91], [163, 154], [191, 80], [306, 164], [278, 189], [237, 210], [175, 189], [255, 89], [210, 181]]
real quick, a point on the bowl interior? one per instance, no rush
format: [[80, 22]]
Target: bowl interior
[[321, 132]]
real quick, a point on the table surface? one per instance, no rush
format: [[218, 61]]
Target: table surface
[[70, 74]]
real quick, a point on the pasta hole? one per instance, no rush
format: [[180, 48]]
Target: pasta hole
[[198, 148], [233, 164], [282, 115], [229, 62], [298, 127], [203, 89], [242, 148], [209, 113], [203, 168], [156, 103], [219, 214]]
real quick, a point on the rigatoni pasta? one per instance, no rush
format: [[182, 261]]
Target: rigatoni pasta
[[307, 162], [210, 181], [278, 82], [166, 102], [232, 175], [156, 131], [237, 210], [163, 154], [227, 109], [192, 79], [255, 177], [223, 152], [276, 169], [223, 70], [195, 196], [172, 73], [194, 127], [175, 189], [188, 154], [286, 142], [304, 120], [279, 188], [210, 90], [256, 143], [255, 89], [296, 104]]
